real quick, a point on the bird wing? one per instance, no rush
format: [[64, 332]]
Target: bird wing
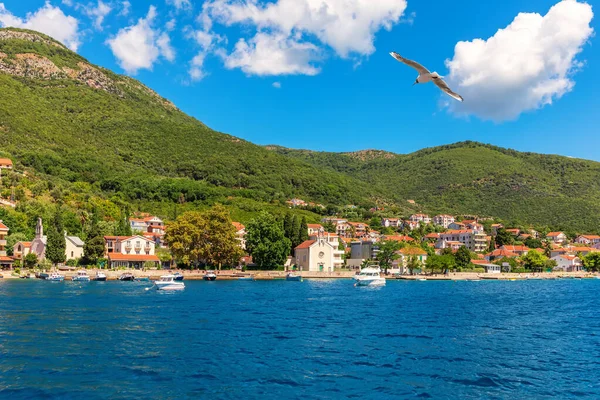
[[422, 70], [439, 82]]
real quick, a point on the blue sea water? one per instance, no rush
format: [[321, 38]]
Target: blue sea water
[[310, 340]]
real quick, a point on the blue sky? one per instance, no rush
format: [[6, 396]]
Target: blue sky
[[339, 90]]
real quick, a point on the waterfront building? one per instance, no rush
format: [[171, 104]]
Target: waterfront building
[[319, 254], [400, 264], [5, 261], [130, 251], [474, 240], [567, 263]]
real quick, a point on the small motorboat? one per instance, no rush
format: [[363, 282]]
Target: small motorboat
[[42, 275], [127, 276], [421, 279], [209, 276], [168, 282], [293, 277], [81, 276], [100, 277], [55, 277], [178, 276], [370, 276]]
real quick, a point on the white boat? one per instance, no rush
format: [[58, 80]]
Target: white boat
[[81, 276], [168, 282], [55, 277], [100, 276], [293, 277], [370, 276], [209, 276]]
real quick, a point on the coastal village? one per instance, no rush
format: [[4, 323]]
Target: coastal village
[[338, 244]]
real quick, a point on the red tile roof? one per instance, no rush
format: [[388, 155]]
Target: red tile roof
[[399, 238], [132, 257], [6, 259], [306, 244], [515, 248], [238, 226], [552, 234], [3, 227], [315, 226], [6, 161], [502, 253], [590, 237]]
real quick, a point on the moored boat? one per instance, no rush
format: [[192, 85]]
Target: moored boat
[[127, 276], [100, 277], [246, 278], [209, 276], [55, 277], [370, 276], [42, 275], [168, 282], [82, 276], [178, 276], [293, 277]]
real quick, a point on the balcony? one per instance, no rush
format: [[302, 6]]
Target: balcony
[[2, 242]]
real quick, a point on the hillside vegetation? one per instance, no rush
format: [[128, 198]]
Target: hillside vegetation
[[89, 139]]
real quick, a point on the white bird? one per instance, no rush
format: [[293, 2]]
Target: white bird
[[426, 76]]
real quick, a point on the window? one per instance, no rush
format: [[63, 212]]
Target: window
[[71, 254]]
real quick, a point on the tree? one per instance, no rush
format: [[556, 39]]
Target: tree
[[204, 238], [512, 263], [93, 249], [462, 257], [295, 232], [442, 263], [303, 230], [591, 262], [329, 227], [534, 261], [547, 247], [30, 260], [266, 241], [504, 237], [388, 253], [533, 243], [56, 243], [123, 226], [375, 223], [287, 226], [413, 263]]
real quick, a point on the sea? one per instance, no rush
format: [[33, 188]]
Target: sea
[[317, 339]]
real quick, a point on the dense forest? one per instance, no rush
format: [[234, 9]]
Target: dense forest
[[104, 144]]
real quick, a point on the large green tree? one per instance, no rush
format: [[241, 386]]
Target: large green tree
[[504, 237], [204, 238], [462, 257], [266, 241], [303, 230], [388, 253], [534, 260], [591, 262], [56, 243], [93, 250]]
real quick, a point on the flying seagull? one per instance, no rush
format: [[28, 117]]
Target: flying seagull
[[426, 76]]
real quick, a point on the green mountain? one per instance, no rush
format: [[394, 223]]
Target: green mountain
[[86, 135], [474, 178]]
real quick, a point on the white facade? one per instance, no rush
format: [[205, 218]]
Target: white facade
[[588, 239], [420, 219], [319, 255], [567, 263], [443, 220], [473, 240]]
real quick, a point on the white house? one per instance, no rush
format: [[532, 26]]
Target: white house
[[74, 247], [240, 234], [443, 220], [567, 263], [473, 240], [319, 254], [557, 237], [130, 251], [391, 222], [420, 219], [150, 226], [588, 239], [314, 229]]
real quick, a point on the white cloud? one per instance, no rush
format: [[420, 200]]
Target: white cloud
[[49, 20], [273, 54], [98, 13], [180, 4], [290, 27], [139, 46], [125, 8], [207, 41], [277, 85], [170, 25], [524, 66]]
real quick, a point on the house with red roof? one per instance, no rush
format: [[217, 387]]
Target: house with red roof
[[567, 263], [6, 163], [150, 226], [318, 254], [500, 253], [557, 237], [5, 261], [240, 234], [21, 249], [314, 229], [399, 238], [391, 222], [130, 251], [588, 239], [405, 254], [518, 250]]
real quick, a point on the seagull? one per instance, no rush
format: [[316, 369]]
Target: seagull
[[426, 76]]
